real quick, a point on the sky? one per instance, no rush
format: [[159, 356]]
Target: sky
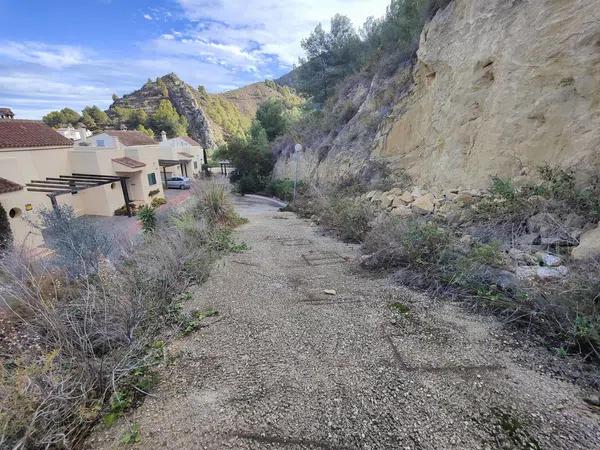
[[68, 53]]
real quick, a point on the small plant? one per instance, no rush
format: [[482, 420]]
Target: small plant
[[158, 201], [222, 240], [400, 308], [132, 436], [147, 217], [153, 192], [119, 402], [503, 188]]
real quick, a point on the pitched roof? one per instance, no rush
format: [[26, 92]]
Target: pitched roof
[[186, 154], [9, 186], [29, 133], [129, 162], [129, 138], [190, 141]]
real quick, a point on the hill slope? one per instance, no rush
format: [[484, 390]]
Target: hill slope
[[468, 107], [213, 118]]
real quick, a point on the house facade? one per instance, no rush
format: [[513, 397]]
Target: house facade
[[186, 151], [40, 168], [129, 154], [29, 151]]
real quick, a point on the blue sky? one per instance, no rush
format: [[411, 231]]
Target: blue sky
[[76, 53]]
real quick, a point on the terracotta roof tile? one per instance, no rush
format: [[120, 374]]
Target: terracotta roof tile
[[186, 154], [130, 138], [9, 186], [129, 162], [29, 133], [190, 141]]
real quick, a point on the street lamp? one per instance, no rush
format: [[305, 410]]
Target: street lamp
[[297, 149]]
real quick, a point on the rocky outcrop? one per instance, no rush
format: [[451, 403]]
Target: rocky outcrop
[[499, 87], [208, 115]]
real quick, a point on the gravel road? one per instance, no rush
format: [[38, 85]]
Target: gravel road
[[374, 366]]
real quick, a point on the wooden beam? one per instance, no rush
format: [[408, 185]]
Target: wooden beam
[[64, 181], [92, 176], [51, 191]]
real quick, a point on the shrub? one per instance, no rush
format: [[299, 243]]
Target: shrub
[[282, 189], [396, 242], [158, 201], [5, 231], [153, 192], [79, 243], [147, 217], [91, 338], [348, 217]]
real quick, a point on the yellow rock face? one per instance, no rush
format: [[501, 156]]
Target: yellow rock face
[[501, 87]]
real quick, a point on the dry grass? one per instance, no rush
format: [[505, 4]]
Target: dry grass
[[93, 332]]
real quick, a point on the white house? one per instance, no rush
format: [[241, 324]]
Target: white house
[[184, 149], [75, 134]]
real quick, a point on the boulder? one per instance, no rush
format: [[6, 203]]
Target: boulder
[[386, 200], [548, 259], [551, 273], [376, 197], [521, 256], [526, 273], [395, 192], [370, 195], [402, 211], [589, 245], [424, 204], [465, 199], [406, 197]]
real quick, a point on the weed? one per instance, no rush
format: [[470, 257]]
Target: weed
[[118, 403], [400, 308], [503, 188], [132, 436]]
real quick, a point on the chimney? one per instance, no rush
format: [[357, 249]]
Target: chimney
[[163, 136], [6, 113]]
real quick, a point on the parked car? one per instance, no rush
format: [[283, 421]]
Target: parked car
[[178, 183]]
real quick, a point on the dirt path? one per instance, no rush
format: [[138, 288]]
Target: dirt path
[[287, 366]]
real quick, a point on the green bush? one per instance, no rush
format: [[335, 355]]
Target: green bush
[[282, 189], [5, 231], [158, 201], [147, 217], [396, 242], [348, 217]]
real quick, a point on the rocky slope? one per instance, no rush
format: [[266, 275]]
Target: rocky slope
[[213, 118], [498, 88]]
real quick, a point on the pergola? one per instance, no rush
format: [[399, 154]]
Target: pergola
[[164, 163], [77, 182]]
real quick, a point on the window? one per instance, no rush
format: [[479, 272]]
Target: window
[[195, 164], [152, 179], [100, 143]]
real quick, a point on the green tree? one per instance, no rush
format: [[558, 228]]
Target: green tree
[[100, 118], [69, 116], [330, 57], [252, 159], [166, 119], [89, 121], [115, 97], [273, 116], [6, 237], [53, 119], [145, 130]]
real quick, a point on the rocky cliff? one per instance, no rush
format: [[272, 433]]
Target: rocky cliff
[[498, 87], [213, 118]]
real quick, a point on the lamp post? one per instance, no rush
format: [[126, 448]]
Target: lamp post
[[297, 149]]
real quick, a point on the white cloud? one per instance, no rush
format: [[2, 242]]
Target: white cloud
[[51, 56], [148, 17], [278, 27]]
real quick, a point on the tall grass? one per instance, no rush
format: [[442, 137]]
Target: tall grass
[[92, 328]]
